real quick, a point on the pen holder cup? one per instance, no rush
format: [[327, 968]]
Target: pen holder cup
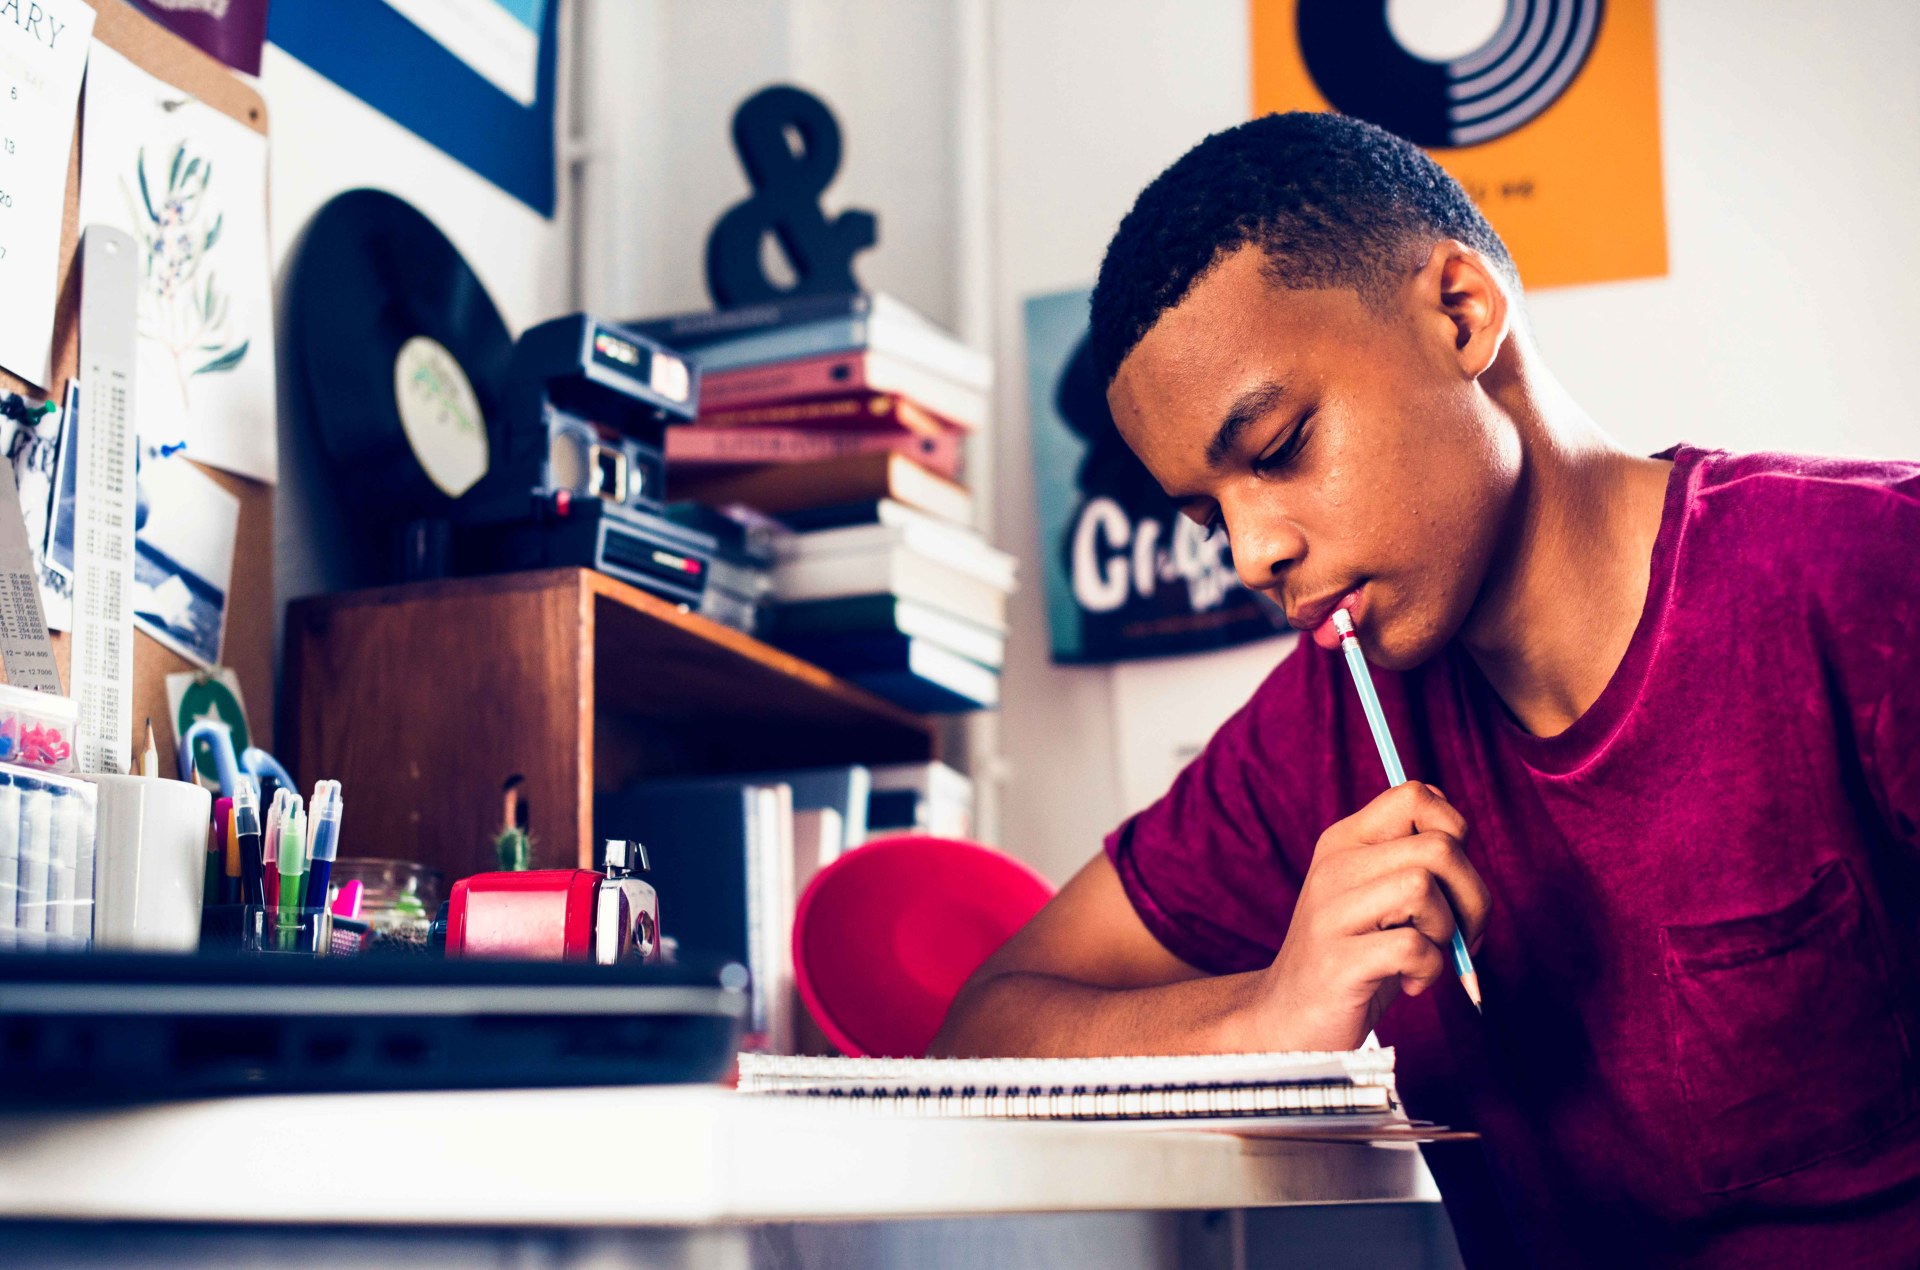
[[288, 931], [150, 864]]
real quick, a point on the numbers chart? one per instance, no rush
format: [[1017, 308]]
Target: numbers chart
[[43, 53]]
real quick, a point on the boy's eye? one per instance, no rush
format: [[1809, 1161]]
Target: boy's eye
[[1282, 454]]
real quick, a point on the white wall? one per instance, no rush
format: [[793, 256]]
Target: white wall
[[1091, 100], [665, 77], [1786, 322]]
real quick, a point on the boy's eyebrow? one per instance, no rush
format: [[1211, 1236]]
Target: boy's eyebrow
[[1247, 408]]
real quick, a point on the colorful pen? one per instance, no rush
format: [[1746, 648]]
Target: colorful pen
[[325, 845], [1396, 775], [270, 851], [291, 864], [246, 832]]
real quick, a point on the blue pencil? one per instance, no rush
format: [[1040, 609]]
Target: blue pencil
[[1396, 775]]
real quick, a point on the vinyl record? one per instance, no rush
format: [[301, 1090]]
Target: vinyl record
[[1462, 98], [400, 353]]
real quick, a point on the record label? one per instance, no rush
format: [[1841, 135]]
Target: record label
[[440, 415]]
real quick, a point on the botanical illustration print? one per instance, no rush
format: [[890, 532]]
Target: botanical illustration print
[[182, 306], [189, 184]]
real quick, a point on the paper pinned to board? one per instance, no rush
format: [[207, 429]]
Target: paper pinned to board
[[43, 53], [183, 557], [25, 649], [34, 450], [190, 185]]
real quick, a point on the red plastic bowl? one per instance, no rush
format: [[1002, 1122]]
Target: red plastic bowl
[[885, 936]]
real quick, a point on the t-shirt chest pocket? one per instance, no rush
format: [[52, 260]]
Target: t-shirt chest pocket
[[1786, 1041]]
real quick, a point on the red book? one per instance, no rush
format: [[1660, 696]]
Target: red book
[[840, 375], [698, 447], [854, 411]]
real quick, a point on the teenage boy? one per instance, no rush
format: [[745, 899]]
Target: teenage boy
[[1662, 715]]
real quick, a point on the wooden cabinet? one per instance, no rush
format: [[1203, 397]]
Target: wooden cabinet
[[425, 699]]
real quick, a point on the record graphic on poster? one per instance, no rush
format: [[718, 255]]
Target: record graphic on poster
[[1127, 575], [1546, 111]]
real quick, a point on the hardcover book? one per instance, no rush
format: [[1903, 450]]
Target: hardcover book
[[751, 446], [856, 478]]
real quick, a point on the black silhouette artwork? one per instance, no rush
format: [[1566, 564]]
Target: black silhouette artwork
[[1146, 580]]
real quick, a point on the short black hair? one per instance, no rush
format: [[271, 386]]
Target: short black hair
[[1333, 201]]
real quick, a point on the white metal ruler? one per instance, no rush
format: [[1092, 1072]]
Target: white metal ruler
[[104, 502]]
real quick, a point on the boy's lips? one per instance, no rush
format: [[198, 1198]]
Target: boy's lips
[[1317, 618]]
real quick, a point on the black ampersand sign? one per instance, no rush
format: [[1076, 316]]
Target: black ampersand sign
[[786, 200]]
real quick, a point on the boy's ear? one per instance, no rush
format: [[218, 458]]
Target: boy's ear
[[1460, 287]]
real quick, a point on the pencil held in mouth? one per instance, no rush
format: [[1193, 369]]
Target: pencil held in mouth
[[1396, 775]]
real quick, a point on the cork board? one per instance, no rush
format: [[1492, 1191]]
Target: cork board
[[247, 645]]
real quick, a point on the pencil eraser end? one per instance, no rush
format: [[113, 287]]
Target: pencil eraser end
[[1343, 621]]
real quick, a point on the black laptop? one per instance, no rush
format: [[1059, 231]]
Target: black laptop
[[124, 1027]]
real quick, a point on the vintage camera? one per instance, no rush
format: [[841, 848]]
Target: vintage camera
[[581, 477], [586, 408]]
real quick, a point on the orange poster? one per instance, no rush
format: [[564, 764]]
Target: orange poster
[[1547, 111]]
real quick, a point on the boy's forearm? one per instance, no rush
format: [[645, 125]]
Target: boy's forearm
[[1018, 1014]]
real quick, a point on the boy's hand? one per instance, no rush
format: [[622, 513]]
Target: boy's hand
[[1375, 918]]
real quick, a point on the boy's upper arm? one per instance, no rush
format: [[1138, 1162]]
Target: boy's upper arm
[[1089, 933]]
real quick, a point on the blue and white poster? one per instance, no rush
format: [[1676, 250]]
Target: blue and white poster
[[472, 77], [1127, 575]]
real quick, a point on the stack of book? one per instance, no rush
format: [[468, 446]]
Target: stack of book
[[846, 418], [819, 378]]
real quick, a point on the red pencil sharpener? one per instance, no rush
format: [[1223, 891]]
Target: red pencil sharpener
[[559, 914]]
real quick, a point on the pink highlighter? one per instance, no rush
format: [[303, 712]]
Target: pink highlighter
[[346, 902]]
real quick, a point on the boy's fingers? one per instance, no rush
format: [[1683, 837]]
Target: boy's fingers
[[1406, 897], [1403, 954], [1436, 855], [1400, 812]]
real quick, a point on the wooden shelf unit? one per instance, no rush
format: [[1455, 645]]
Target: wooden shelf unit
[[425, 699]]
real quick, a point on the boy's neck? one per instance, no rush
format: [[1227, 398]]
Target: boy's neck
[[1554, 618]]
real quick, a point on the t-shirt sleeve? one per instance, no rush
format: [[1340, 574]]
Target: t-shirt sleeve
[[1863, 561], [1214, 867], [1888, 614]]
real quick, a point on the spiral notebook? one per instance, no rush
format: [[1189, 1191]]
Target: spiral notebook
[[1352, 1089]]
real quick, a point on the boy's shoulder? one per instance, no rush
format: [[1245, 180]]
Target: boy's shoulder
[[1836, 529], [1793, 487]]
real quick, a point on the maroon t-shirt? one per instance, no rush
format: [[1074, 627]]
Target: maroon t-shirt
[[1699, 1042]]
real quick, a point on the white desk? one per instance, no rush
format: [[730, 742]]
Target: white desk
[[636, 1158]]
